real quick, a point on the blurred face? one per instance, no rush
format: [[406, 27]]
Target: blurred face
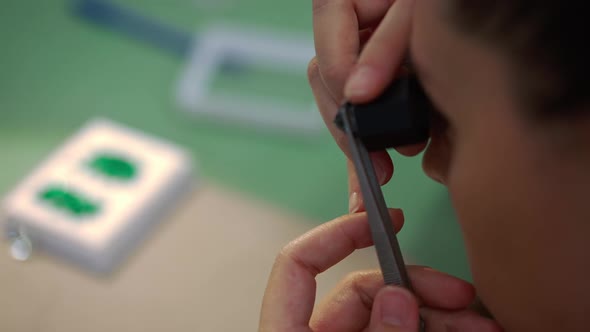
[[520, 188]]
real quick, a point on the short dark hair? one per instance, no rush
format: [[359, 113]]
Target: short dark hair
[[545, 41]]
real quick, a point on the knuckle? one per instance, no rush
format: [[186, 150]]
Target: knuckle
[[357, 277], [334, 72], [318, 5], [331, 6], [313, 70], [361, 281], [350, 279], [358, 282], [285, 253], [291, 254], [341, 141]]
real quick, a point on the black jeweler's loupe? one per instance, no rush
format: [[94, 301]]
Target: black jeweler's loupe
[[399, 116]]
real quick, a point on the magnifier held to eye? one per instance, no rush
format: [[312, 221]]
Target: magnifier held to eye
[[399, 117]]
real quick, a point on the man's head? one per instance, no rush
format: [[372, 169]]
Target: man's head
[[509, 80]]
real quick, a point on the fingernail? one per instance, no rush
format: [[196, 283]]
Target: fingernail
[[359, 81], [354, 202], [395, 308]]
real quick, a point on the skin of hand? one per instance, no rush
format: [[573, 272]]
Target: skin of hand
[[361, 302], [341, 29]]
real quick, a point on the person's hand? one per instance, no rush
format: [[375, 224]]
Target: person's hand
[[361, 302], [341, 30]]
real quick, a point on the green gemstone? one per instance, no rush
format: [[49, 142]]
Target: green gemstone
[[113, 166], [69, 201]]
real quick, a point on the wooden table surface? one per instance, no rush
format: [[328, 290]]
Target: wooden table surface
[[203, 269]]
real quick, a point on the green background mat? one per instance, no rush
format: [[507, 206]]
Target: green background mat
[[58, 71]]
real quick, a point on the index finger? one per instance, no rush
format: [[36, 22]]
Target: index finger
[[382, 56], [336, 26], [290, 295]]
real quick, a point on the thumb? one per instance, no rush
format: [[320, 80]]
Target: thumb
[[394, 310]]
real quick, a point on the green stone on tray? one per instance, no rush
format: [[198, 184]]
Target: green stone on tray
[[69, 201], [113, 166]]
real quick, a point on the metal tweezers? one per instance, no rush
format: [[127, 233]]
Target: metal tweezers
[[385, 241], [376, 126]]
